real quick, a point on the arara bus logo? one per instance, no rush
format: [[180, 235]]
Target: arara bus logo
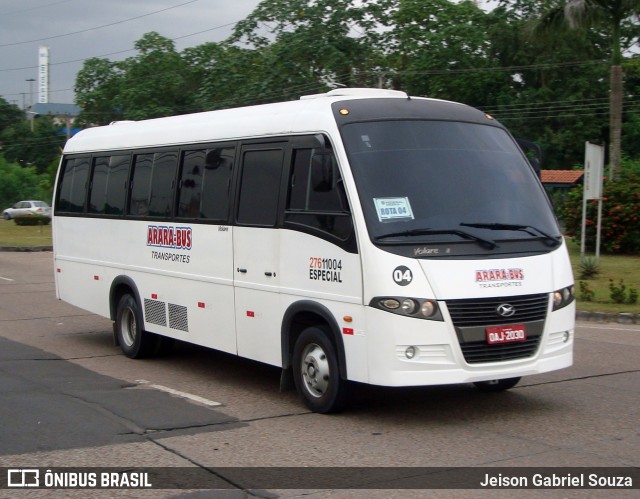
[[164, 236], [497, 275]]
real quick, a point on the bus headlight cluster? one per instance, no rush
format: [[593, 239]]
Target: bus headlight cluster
[[563, 297], [420, 308]]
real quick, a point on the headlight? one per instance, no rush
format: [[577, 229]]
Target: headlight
[[563, 297], [409, 306], [420, 308]]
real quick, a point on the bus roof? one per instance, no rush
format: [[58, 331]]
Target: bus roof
[[310, 114]]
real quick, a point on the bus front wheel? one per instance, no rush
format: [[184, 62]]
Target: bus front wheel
[[316, 373], [135, 342]]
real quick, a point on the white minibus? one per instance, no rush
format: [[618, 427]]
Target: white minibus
[[360, 235]]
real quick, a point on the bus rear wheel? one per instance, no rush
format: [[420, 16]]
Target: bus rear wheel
[[496, 385], [316, 372], [135, 342]]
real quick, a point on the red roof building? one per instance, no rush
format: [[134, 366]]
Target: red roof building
[[561, 178]]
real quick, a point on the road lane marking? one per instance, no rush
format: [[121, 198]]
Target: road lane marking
[[178, 393], [6, 279]]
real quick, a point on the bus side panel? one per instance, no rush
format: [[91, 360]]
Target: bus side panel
[[185, 282], [191, 284], [81, 278], [318, 271]]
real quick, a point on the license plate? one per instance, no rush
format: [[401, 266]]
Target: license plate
[[506, 334]]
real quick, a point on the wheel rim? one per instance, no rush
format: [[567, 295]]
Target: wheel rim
[[315, 370], [128, 326]]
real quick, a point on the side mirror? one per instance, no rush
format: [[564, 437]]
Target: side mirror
[[533, 152], [535, 163]]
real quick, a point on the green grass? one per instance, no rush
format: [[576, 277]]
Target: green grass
[[24, 235], [613, 267], [616, 267]]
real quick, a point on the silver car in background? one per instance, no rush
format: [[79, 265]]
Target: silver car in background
[[27, 208]]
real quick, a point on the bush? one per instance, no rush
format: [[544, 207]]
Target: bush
[[620, 215], [586, 292], [589, 268], [32, 220], [618, 293]]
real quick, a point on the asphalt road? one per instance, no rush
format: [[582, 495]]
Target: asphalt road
[[69, 398]]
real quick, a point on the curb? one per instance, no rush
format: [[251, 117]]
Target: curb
[[26, 249], [603, 317]]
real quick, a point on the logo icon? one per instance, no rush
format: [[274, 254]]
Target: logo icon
[[506, 310], [23, 478]]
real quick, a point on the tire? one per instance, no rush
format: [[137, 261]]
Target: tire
[[135, 342], [496, 385], [6, 216], [316, 373]]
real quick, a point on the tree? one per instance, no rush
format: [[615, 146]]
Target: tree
[[153, 83], [613, 17], [20, 183], [36, 148], [442, 49], [311, 45], [97, 89], [9, 114], [558, 89]]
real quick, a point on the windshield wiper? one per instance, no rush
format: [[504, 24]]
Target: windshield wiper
[[525, 228], [428, 232]]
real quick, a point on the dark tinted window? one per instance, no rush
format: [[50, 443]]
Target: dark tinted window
[[260, 187], [108, 184], [73, 186], [316, 194], [314, 182], [164, 174], [204, 183], [439, 175], [153, 179]]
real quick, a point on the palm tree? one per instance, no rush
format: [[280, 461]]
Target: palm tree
[[611, 15]]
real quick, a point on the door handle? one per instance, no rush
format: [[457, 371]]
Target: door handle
[[270, 274], [242, 271]]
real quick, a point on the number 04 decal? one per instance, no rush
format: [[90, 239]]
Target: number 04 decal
[[402, 275]]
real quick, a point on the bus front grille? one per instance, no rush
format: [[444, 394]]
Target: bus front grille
[[484, 311], [471, 317], [479, 351]]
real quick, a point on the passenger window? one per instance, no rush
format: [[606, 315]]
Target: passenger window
[[141, 185], [260, 187], [108, 184], [315, 182], [165, 165], [153, 180], [73, 186], [204, 183], [316, 198]]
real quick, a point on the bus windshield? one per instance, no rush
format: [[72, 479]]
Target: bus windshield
[[444, 181]]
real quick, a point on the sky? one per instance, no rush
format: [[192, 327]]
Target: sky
[[76, 30]]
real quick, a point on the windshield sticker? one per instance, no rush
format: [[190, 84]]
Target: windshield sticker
[[393, 209]]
